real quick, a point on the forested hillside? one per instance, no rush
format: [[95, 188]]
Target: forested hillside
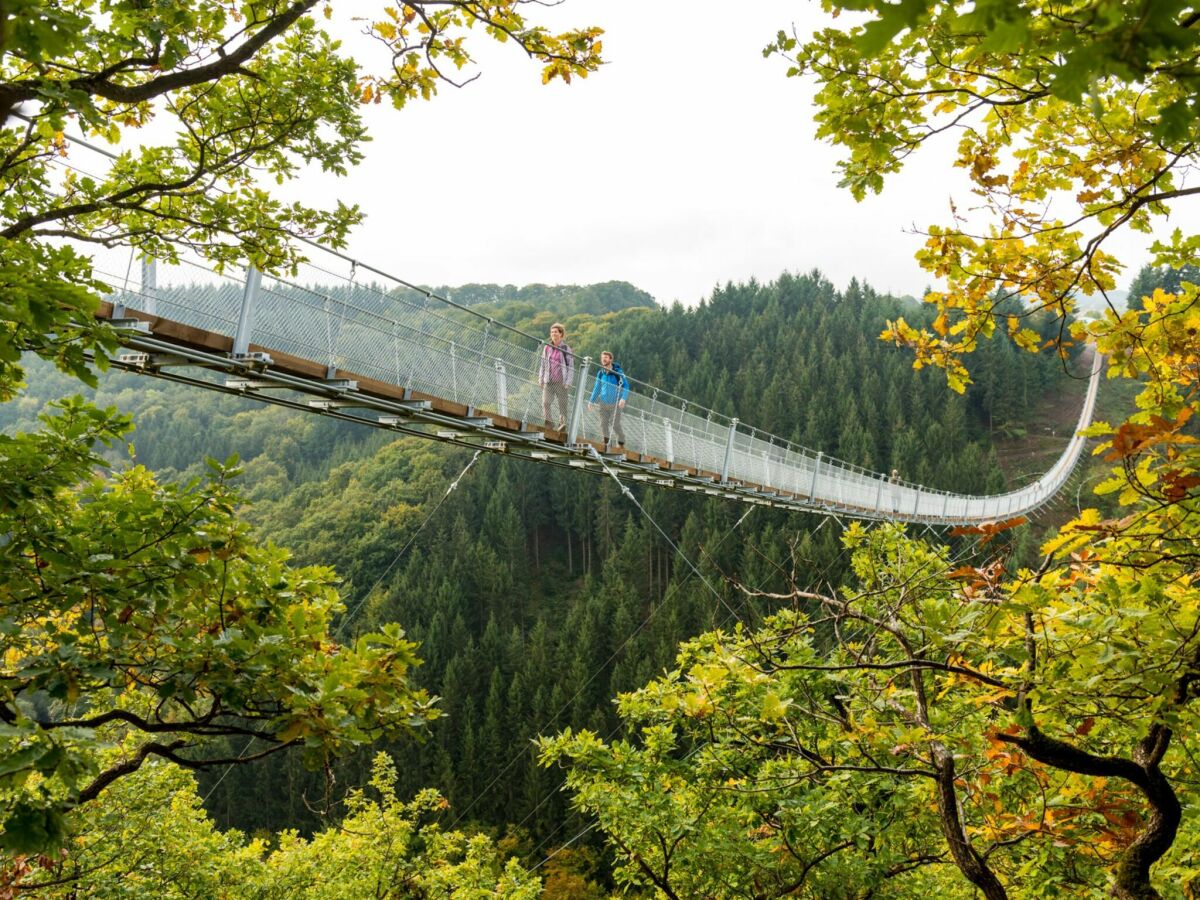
[[537, 595], [629, 693]]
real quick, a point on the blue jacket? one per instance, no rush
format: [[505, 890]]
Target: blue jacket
[[610, 386]]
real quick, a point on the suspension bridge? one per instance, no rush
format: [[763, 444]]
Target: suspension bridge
[[341, 338]]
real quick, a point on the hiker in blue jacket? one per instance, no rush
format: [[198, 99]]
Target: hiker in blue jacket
[[609, 391]]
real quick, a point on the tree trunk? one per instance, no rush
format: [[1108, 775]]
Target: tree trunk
[[971, 864], [1132, 874], [1132, 881]]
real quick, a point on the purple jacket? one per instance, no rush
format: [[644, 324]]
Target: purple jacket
[[563, 355]]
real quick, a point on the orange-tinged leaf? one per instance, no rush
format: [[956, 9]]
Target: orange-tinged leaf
[[988, 530]]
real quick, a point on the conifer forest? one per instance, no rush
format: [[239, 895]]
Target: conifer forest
[[252, 651]]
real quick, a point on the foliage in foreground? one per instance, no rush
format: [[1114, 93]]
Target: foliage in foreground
[[925, 725], [239, 94], [1074, 121], [153, 840], [148, 617]]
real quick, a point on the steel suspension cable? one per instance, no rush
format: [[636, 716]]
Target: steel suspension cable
[[612, 732], [671, 593], [350, 612], [629, 494], [641, 625]]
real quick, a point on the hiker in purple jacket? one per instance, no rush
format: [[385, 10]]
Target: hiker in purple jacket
[[556, 371]]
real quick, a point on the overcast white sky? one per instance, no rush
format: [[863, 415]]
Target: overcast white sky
[[688, 161]]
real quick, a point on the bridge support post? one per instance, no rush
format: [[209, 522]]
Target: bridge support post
[[946, 506], [668, 441], [501, 388], [879, 497], [396, 349], [733, 424], [150, 284], [812, 488], [245, 325], [577, 407]]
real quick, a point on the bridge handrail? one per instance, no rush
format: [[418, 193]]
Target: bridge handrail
[[468, 357]]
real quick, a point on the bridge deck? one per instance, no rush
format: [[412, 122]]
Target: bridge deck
[[172, 349]]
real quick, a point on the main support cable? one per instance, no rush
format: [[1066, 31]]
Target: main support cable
[[695, 570], [350, 612], [592, 677], [634, 500]]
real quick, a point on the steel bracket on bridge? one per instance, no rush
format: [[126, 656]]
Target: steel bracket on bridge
[[154, 361], [338, 404], [473, 421], [247, 384], [130, 325], [255, 360]]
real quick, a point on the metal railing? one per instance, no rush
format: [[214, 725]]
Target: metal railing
[[352, 318]]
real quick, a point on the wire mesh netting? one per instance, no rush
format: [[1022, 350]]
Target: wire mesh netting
[[358, 321]]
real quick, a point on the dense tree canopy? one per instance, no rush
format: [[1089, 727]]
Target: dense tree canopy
[[152, 841], [927, 727], [537, 595], [1151, 278], [1074, 120]]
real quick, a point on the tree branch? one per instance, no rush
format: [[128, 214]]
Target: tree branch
[[98, 84]]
